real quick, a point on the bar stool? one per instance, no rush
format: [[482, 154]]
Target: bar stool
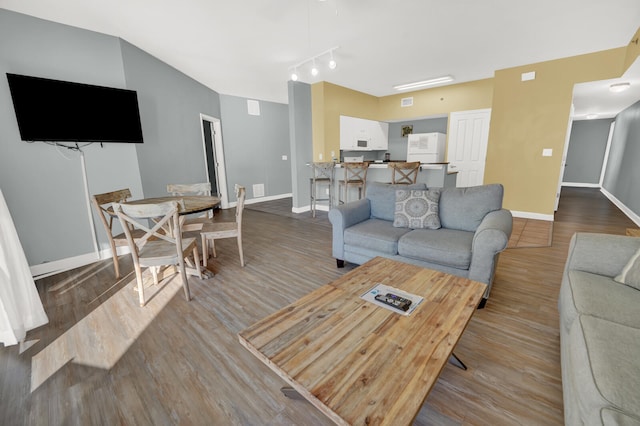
[[321, 175], [355, 175], [404, 173]]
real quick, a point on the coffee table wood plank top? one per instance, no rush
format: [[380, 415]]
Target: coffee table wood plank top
[[357, 362]]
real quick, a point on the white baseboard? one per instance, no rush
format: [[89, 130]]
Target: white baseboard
[[530, 215], [581, 185], [51, 268], [304, 209], [626, 210], [262, 199]]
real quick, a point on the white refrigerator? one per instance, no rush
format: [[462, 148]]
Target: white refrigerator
[[426, 147]]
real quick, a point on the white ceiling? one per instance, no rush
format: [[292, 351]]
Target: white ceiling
[[246, 47]]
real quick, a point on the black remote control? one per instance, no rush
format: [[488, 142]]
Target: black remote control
[[394, 300]]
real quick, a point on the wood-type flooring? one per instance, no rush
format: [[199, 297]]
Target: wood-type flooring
[[102, 360]]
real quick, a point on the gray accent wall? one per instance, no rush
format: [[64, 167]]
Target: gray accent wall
[[43, 185], [398, 143], [170, 107], [622, 177], [585, 155], [254, 146], [301, 134]]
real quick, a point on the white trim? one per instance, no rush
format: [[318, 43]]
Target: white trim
[[57, 266], [581, 185], [221, 174], [605, 160], [563, 160], [531, 215], [307, 208], [626, 210], [269, 198]]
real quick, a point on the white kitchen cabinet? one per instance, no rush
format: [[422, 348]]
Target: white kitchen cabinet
[[359, 134]]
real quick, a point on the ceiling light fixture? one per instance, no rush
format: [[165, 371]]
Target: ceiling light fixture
[[424, 83], [332, 64], [619, 87]]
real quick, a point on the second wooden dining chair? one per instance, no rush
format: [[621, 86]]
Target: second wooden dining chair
[[157, 247], [103, 205], [218, 230], [187, 189]]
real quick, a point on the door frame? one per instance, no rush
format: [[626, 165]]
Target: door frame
[[563, 160], [218, 152]]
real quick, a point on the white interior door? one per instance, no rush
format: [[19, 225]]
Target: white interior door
[[467, 147]]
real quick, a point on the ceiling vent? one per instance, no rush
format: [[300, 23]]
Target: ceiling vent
[[406, 102]]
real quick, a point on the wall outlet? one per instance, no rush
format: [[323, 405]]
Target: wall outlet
[[320, 156]]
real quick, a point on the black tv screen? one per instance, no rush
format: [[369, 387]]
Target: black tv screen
[[54, 110]]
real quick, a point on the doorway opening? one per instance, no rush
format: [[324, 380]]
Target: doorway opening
[[214, 157]]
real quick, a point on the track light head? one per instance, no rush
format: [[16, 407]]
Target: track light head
[[314, 70], [294, 75]]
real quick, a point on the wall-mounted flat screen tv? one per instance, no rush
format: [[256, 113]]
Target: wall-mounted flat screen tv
[[62, 111]]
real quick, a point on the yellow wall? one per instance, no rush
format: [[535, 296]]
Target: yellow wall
[[633, 50], [531, 115], [526, 117], [437, 101], [328, 103]]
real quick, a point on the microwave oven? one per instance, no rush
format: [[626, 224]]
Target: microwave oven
[[362, 143]]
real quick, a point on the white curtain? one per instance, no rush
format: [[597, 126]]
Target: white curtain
[[20, 306]]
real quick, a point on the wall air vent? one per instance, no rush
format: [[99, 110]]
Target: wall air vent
[[406, 102]]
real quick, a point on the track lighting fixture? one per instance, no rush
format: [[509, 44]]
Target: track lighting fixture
[[332, 64]]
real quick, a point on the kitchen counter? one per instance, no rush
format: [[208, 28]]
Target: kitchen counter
[[435, 175]]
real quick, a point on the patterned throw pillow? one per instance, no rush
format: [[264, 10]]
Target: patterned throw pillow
[[630, 274], [417, 209]]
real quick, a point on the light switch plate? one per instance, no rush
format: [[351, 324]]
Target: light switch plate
[[547, 152], [284, 157]]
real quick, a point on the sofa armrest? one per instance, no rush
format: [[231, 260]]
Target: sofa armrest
[[489, 240], [602, 254], [344, 216]]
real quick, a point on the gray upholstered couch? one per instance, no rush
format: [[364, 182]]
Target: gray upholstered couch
[[600, 333], [475, 229]]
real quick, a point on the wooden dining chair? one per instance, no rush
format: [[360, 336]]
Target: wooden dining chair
[[156, 247], [218, 230], [404, 172], [355, 175], [103, 203], [186, 189]]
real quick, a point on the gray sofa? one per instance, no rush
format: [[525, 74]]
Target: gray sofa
[[475, 229], [600, 333]]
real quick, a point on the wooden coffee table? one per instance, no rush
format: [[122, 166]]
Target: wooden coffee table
[[359, 363]]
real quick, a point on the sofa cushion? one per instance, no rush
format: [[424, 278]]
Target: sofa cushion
[[464, 208], [375, 234], [417, 209], [382, 198], [447, 247], [601, 297], [630, 274], [611, 374]]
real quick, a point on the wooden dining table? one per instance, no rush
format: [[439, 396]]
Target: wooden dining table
[[190, 204]]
